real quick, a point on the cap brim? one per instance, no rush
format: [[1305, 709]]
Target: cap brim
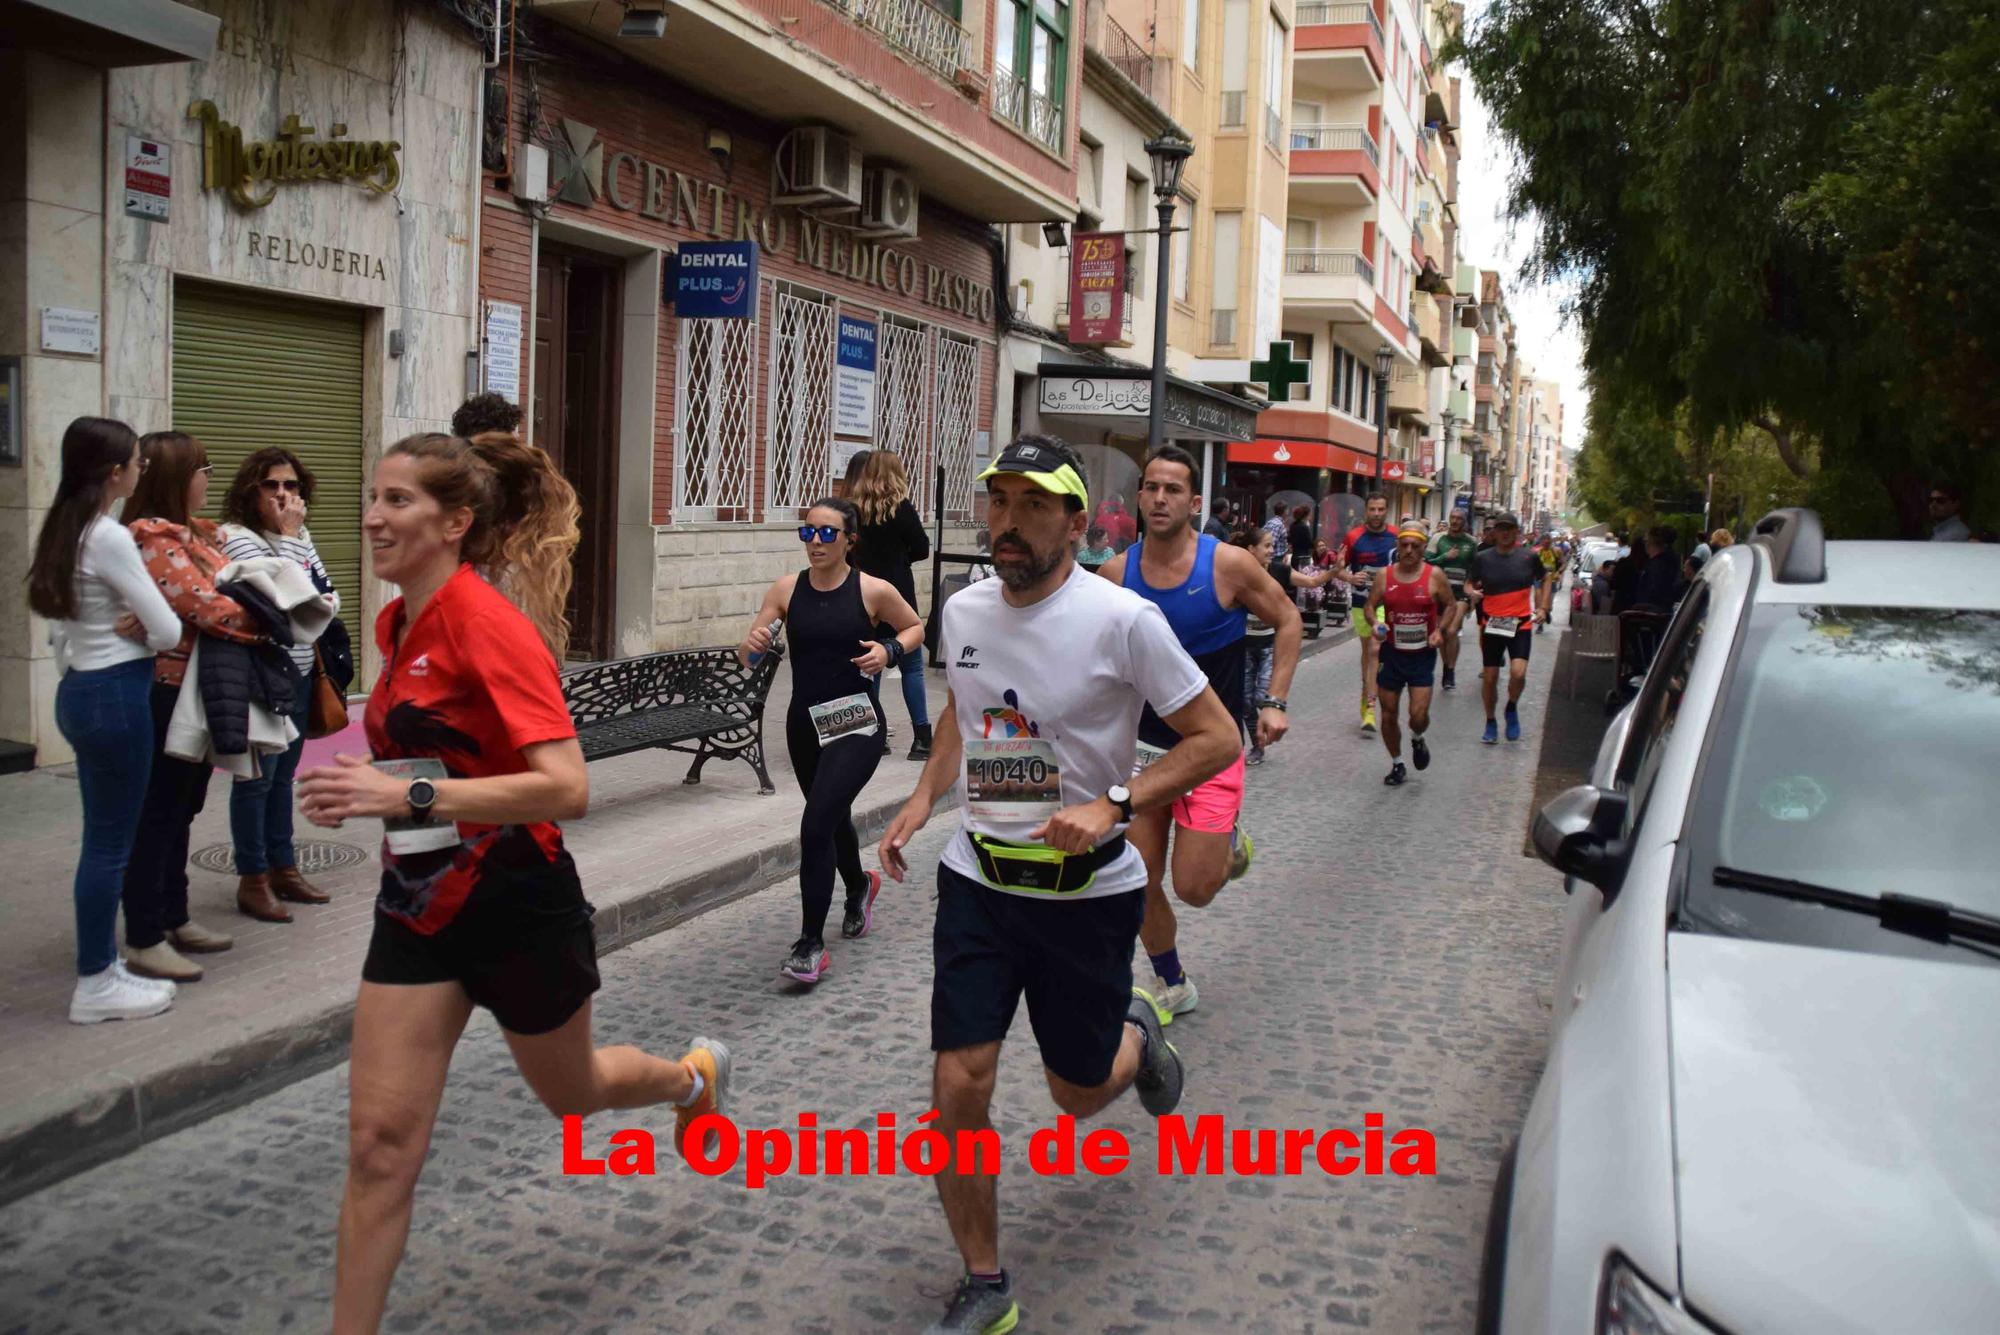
[[1062, 482]]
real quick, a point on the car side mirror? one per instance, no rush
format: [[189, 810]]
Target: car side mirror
[[1578, 835]]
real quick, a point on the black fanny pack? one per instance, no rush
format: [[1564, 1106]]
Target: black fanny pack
[[1038, 869]]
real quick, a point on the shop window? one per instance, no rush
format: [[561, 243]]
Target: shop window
[[715, 373], [801, 418], [903, 402], [958, 399]]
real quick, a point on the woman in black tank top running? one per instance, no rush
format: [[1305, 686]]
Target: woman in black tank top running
[[833, 727]]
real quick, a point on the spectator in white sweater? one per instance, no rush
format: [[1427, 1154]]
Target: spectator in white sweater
[[264, 514], [86, 578]]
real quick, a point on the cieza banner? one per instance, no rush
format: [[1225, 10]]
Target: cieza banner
[[1097, 288], [854, 377], [716, 280], [1482, 488]]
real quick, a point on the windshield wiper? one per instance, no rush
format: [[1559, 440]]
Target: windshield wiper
[[1931, 919]]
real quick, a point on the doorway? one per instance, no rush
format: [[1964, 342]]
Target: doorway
[[575, 419]]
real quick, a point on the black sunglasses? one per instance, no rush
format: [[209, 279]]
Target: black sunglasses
[[824, 533], [276, 484]]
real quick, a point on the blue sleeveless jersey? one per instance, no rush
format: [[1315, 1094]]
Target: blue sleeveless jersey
[[1211, 633]]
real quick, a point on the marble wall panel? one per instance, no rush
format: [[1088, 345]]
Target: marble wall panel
[[138, 301], [55, 391], [18, 626], [65, 249]]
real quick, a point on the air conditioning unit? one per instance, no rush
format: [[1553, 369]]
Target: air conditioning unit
[[888, 203], [816, 166]]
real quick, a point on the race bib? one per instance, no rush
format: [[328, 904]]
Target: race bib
[[404, 837], [1415, 636], [849, 716], [1505, 627], [1016, 780], [1148, 753]]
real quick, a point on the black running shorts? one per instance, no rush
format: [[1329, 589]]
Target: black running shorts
[[528, 955], [1401, 668], [1495, 650], [1072, 957]]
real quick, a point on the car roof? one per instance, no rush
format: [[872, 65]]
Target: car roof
[[1952, 576]]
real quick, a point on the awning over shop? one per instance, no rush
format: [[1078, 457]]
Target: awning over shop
[[1120, 397], [111, 35], [1302, 454]]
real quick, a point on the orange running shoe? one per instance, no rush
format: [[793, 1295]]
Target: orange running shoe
[[711, 1058]]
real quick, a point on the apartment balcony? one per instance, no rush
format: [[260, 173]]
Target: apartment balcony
[[1037, 117], [1410, 395], [1459, 404], [1337, 286], [901, 78], [1335, 166], [1433, 329], [1337, 46], [1102, 34]]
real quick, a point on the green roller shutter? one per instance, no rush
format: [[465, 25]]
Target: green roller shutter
[[251, 371]]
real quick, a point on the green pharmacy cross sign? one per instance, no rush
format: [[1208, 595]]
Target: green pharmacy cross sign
[[1279, 372]]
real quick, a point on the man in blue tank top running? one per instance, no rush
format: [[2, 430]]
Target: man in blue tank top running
[[1205, 588]]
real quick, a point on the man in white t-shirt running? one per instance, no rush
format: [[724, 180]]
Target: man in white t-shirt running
[[1038, 891]]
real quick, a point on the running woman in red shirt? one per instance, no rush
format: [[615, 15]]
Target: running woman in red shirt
[[475, 761], [1421, 613]]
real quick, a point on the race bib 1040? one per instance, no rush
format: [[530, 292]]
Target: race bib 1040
[[1016, 780], [849, 716]]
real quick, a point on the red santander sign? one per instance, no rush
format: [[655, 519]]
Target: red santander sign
[[1394, 470], [1097, 288]]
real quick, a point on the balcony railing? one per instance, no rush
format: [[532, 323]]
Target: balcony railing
[[1340, 13], [1222, 328], [924, 33], [1274, 128], [1119, 47], [1331, 263], [1232, 110], [1348, 138], [1035, 114]]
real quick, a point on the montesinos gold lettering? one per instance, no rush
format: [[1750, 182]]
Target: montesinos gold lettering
[[251, 172]]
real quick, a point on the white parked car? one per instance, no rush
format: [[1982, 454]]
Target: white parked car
[[1772, 1097]]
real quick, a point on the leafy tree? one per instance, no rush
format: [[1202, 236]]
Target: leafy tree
[[1703, 170]]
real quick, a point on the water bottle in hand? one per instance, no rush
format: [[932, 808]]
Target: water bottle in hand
[[776, 629]]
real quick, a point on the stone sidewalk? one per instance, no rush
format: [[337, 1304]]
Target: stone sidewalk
[[652, 853]]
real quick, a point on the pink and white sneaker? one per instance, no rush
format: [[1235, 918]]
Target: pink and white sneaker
[[808, 962], [859, 922]]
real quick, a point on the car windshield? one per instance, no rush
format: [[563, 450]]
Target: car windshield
[[1857, 750]]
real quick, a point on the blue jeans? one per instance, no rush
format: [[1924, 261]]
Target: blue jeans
[[912, 668], [106, 715], [260, 809], [1256, 678]]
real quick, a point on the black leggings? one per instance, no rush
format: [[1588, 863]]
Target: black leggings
[[831, 778]]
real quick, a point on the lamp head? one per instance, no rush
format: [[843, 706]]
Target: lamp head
[[1169, 154]]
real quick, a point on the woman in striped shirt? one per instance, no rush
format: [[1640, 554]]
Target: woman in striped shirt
[[265, 515]]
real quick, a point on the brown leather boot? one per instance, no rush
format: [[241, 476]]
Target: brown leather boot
[[287, 883], [254, 897]]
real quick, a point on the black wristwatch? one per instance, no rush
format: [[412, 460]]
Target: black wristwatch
[[894, 648], [1121, 797], [1276, 702], [423, 795]]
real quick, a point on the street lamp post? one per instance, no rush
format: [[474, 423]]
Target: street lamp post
[[1385, 358], [1444, 464], [1169, 154]]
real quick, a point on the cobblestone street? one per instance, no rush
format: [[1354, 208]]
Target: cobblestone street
[[1390, 951]]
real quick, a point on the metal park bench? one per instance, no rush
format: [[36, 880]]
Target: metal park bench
[[700, 702]]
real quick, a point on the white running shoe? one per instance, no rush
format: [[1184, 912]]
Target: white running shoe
[[116, 995], [1171, 999]]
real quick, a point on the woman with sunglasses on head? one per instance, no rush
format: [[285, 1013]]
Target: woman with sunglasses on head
[[264, 514], [87, 578], [891, 540], [832, 614], [480, 902], [183, 554]]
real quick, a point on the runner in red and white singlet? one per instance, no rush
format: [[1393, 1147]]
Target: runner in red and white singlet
[[1419, 613]]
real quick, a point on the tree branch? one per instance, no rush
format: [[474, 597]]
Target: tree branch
[[1782, 436]]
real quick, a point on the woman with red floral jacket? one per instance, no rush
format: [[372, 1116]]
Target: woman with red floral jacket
[[183, 554]]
